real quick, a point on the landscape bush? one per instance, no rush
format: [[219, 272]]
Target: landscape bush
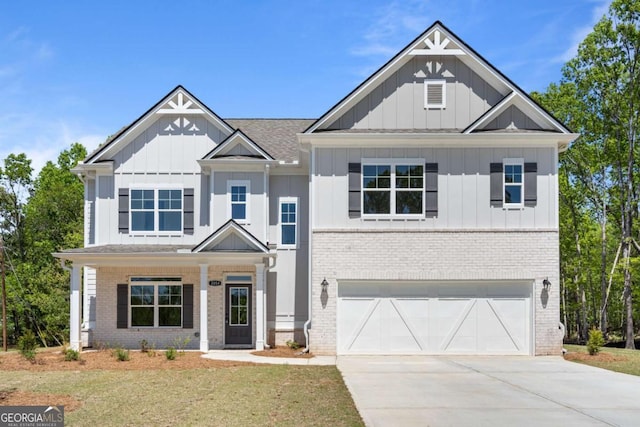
[[596, 340], [27, 345], [171, 353], [71, 355]]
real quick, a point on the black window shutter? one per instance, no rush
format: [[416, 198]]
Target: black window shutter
[[123, 210], [122, 307], [530, 184], [355, 184], [187, 225], [187, 306], [496, 184], [431, 190]]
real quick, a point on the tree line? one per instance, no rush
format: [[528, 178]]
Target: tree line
[[598, 97], [37, 217]]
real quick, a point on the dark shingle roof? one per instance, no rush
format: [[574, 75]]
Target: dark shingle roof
[[383, 131], [275, 136]]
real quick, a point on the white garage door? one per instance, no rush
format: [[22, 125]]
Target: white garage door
[[452, 318]]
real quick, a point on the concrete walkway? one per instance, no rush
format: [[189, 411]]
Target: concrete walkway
[[246, 356], [488, 391]]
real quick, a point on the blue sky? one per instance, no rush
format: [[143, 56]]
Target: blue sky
[[79, 71]]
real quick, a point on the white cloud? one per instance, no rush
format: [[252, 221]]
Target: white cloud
[[599, 9], [391, 26], [45, 141]]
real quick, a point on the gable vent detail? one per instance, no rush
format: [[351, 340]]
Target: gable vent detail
[[435, 93]]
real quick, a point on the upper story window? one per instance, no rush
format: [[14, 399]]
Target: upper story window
[[239, 192], [393, 188], [288, 222], [513, 183], [156, 210], [435, 93]]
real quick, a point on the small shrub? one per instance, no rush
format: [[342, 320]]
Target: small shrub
[[171, 353], [595, 341], [151, 351], [293, 345], [144, 346], [121, 354], [181, 344], [27, 345], [71, 355]]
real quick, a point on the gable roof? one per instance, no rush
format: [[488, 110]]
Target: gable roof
[[230, 228], [238, 139], [192, 106], [276, 136], [450, 45]]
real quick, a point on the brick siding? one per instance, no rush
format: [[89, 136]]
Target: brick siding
[[436, 256]]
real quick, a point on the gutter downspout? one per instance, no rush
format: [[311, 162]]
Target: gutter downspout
[[64, 266], [312, 168], [264, 300]]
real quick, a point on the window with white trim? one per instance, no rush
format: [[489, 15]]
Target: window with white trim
[[435, 93], [239, 192], [155, 302], [513, 182], [288, 222], [394, 188], [155, 210]]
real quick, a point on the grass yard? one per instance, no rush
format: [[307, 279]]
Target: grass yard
[[613, 359], [214, 396]]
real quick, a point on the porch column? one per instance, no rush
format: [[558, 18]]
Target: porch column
[[260, 307], [204, 331], [75, 340]]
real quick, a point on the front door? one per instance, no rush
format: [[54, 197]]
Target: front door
[[238, 314]]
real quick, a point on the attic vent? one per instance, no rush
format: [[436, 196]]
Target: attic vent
[[435, 93]]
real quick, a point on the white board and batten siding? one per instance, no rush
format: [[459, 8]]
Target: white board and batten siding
[[165, 154], [463, 188], [398, 102], [287, 281], [255, 196], [433, 318]]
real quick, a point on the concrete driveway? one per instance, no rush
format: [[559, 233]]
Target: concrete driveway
[[488, 391]]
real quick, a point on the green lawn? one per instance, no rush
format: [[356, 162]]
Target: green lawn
[[238, 396], [625, 361]]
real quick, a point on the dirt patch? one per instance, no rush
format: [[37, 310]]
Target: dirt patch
[[283, 351], [599, 357], [53, 360], [27, 398]]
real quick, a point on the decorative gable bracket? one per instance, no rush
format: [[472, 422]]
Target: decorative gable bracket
[[437, 46], [177, 105]]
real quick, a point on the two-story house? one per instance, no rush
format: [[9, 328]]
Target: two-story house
[[419, 215]]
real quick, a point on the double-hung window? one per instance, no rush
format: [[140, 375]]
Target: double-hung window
[[513, 183], [156, 302], [156, 210], [239, 193], [288, 222], [394, 188]]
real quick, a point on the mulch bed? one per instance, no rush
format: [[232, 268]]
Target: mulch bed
[[598, 357], [53, 360], [26, 398], [283, 351]]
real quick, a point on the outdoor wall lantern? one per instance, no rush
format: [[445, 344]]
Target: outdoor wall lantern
[[547, 284], [324, 284]]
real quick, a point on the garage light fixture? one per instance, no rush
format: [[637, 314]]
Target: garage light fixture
[[547, 284], [324, 284]]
